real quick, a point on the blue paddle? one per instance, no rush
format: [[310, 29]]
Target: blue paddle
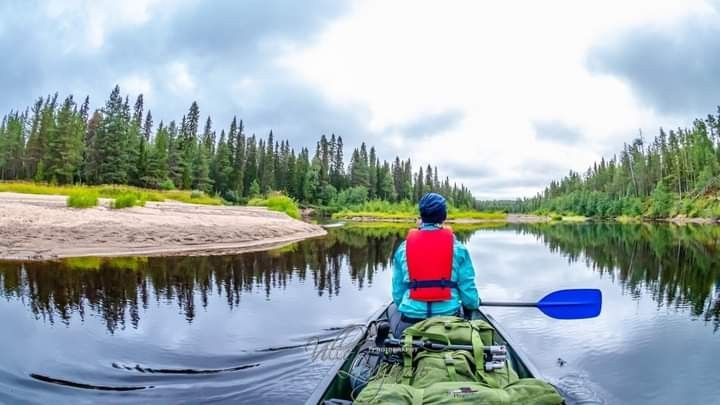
[[562, 304]]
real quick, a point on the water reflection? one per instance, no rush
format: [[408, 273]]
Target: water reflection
[[117, 288], [678, 266], [130, 320]]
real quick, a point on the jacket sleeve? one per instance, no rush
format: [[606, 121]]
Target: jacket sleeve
[[466, 278], [399, 270]]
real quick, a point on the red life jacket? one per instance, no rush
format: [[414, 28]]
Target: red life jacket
[[430, 258]]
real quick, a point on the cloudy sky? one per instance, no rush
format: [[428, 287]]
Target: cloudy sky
[[503, 96]]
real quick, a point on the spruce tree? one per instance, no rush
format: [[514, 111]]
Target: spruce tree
[[267, 179], [111, 141], [223, 169], [251, 170], [34, 148], [338, 180], [238, 160], [174, 155], [65, 144], [372, 175]]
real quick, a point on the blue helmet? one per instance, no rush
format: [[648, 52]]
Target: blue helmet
[[433, 208]]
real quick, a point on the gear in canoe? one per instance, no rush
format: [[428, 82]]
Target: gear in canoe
[[432, 344]]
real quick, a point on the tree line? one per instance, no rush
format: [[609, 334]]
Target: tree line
[[67, 143], [656, 177]]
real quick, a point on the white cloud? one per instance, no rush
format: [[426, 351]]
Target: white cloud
[[136, 84], [504, 65], [180, 81], [90, 27]]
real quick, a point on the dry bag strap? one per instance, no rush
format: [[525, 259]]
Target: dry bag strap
[[450, 365], [478, 353], [407, 360]]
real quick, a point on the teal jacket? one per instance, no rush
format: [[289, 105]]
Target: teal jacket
[[462, 272]]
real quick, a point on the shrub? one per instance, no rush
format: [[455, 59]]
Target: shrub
[[278, 202], [661, 202], [351, 196], [150, 196], [82, 199], [186, 197], [196, 194], [127, 200], [167, 185], [254, 190], [232, 196]]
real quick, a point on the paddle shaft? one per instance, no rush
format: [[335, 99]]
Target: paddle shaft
[[509, 304]]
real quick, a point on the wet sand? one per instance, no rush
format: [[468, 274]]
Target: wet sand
[[41, 227]]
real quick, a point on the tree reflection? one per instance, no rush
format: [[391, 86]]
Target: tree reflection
[[678, 265], [118, 288]]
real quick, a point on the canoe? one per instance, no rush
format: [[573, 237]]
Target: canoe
[[336, 385]]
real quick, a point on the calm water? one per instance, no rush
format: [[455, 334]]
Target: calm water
[[222, 329]]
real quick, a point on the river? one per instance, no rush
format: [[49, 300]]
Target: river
[[240, 328]]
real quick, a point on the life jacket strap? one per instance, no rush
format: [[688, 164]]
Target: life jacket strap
[[432, 284]]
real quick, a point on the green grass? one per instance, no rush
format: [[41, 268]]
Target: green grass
[[467, 214], [349, 214], [82, 199], [278, 202], [127, 200], [188, 197], [112, 191], [574, 218], [405, 211], [404, 226]]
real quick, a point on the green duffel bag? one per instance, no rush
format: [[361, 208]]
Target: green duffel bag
[[449, 365], [382, 392], [428, 367], [454, 330], [526, 391]]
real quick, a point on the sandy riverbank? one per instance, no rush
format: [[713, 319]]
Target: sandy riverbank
[[40, 227]]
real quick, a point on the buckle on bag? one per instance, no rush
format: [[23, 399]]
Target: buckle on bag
[[495, 357]]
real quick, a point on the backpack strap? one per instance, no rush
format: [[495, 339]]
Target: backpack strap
[[436, 337], [478, 354], [450, 365], [407, 360]]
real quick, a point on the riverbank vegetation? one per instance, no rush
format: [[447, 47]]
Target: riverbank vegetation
[[278, 202], [66, 143], [82, 199], [127, 200], [677, 173], [406, 211], [111, 191]]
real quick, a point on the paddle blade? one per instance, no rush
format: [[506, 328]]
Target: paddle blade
[[572, 304]]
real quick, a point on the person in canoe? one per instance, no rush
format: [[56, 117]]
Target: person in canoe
[[432, 271]]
